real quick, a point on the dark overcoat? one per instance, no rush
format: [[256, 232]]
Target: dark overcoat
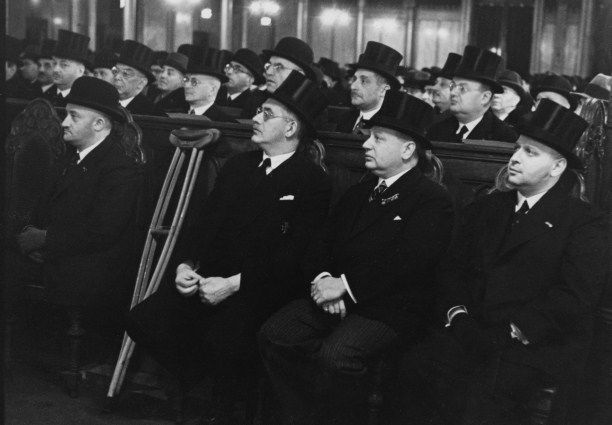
[[489, 128], [141, 105]]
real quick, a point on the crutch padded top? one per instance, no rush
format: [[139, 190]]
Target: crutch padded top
[[198, 139]]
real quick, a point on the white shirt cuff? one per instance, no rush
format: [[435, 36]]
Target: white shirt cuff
[[516, 333], [321, 276], [348, 288], [454, 311]]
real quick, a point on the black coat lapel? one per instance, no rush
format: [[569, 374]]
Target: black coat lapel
[[497, 225]]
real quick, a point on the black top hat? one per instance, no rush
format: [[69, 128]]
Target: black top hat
[[159, 57], [556, 84], [47, 48], [96, 94], [480, 65], [250, 60], [406, 114], [555, 126], [295, 50], [91, 58], [381, 59], [138, 56], [450, 66], [71, 45], [209, 61], [12, 49], [177, 61], [330, 68], [303, 97], [186, 49], [31, 51], [417, 79], [513, 80], [105, 59]]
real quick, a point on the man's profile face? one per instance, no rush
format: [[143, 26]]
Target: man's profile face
[[366, 90], [9, 70], [45, 71], [128, 81], [277, 70], [509, 99], [383, 151], [270, 123], [65, 71], [531, 164], [105, 74], [239, 78], [170, 79], [156, 70], [29, 69], [200, 87], [440, 94], [468, 97], [78, 125]]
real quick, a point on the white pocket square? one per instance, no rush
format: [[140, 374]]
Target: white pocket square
[[287, 198], [397, 218]]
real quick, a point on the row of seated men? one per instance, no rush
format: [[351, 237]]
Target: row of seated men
[[269, 282], [196, 80]]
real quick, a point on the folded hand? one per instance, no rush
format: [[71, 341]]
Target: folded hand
[[335, 307], [214, 290], [327, 289]]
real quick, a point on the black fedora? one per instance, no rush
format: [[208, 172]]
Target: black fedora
[[96, 94], [303, 97], [250, 60], [209, 61], [47, 48], [72, 45], [556, 84], [381, 59], [450, 66], [480, 65], [513, 80], [177, 61], [105, 59], [406, 114], [330, 68], [598, 88], [295, 50], [555, 126], [138, 56], [12, 48]]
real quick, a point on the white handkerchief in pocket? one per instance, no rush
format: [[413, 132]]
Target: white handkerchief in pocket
[[287, 198], [397, 218]]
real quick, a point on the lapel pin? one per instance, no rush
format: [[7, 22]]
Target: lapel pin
[[548, 223]]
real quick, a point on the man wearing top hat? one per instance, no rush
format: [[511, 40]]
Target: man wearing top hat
[[520, 285], [170, 93], [241, 262], [82, 230], [511, 105], [332, 76], [598, 88], [103, 64], [555, 88], [289, 54], [375, 74], [370, 272], [28, 67], [203, 80], [243, 71], [69, 59], [131, 74], [45, 65], [441, 88], [14, 85], [472, 90]]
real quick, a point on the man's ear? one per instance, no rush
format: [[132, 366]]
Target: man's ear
[[99, 123], [487, 95], [558, 167], [291, 129], [408, 150]]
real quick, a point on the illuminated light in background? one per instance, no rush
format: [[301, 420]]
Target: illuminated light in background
[[173, 2], [335, 16], [443, 33], [265, 21], [496, 50], [385, 24], [58, 21], [183, 18], [121, 4], [264, 7], [206, 13], [35, 2]]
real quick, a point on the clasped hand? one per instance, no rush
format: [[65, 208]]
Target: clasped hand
[[327, 292], [212, 290]]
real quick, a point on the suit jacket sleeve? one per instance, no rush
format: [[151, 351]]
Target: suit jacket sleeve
[[109, 216]]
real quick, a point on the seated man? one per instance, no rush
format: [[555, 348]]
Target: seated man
[[371, 272], [242, 72], [103, 64], [555, 88], [375, 74], [169, 92], [242, 264], [332, 76], [289, 54], [441, 89], [69, 60], [202, 83], [82, 231], [521, 283], [131, 74], [28, 66], [511, 105], [14, 85], [474, 84], [45, 65]]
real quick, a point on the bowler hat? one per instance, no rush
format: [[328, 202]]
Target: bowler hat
[[448, 70], [381, 59], [159, 56], [598, 88], [138, 56], [71, 45], [556, 84], [417, 79], [406, 114], [177, 61], [330, 68], [250, 60], [302, 96], [12, 49], [480, 65], [47, 48], [555, 126], [105, 59], [209, 61], [187, 49], [513, 80], [96, 94], [295, 50]]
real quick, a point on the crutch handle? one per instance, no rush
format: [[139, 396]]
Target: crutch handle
[[190, 139]]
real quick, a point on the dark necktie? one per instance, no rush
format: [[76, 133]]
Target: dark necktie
[[358, 126], [376, 194], [462, 131], [191, 112], [516, 217], [264, 166]]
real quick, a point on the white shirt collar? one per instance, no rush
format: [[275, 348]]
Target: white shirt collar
[[82, 154], [201, 110], [470, 126], [126, 102], [235, 95], [390, 180], [46, 87], [503, 116], [531, 201], [64, 93], [275, 160], [367, 115]]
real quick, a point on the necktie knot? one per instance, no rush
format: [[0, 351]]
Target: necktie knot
[[376, 194], [191, 112], [462, 132], [358, 126], [264, 165], [518, 214]]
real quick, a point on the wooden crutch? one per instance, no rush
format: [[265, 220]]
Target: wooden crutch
[[146, 284]]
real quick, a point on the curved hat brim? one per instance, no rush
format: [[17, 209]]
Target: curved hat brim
[[305, 120], [496, 88], [114, 113], [307, 68], [549, 140], [391, 79], [402, 128]]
